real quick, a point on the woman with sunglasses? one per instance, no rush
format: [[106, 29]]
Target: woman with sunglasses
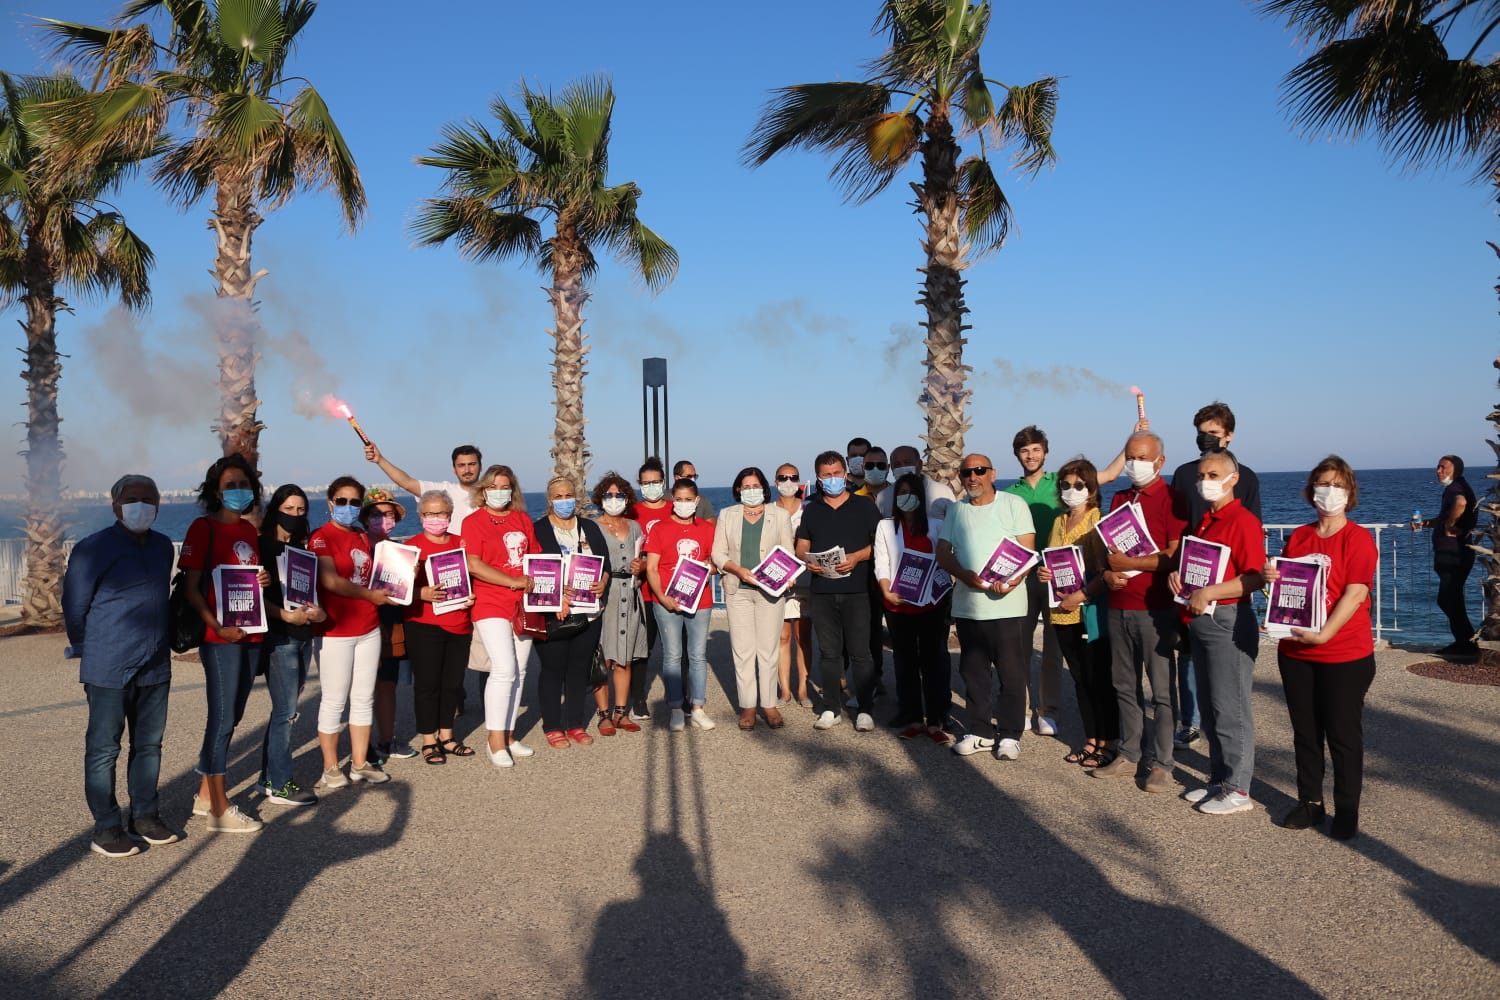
[[796, 627], [222, 537], [349, 649], [744, 535], [1080, 617], [623, 639]]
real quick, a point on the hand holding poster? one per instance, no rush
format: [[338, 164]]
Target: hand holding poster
[[777, 571], [913, 574], [299, 578], [1066, 564], [1203, 564], [583, 571], [1124, 530], [1298, 597], [1008, 564], [238, 598], [395, 570], [546, 572], [688, 582], [449, 572]]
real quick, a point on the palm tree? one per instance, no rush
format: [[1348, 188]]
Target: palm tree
[[548, 161], [249, 139], [56, 233], [923, 92], [1405, 71]]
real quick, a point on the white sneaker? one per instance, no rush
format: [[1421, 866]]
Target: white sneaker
[[972, 744], [500, 758], [1227, 802], [679, 721], [371, 772], [333, 778], [863, 724], [827, 721], [700, 718], [200, 806], [1046, 726], [519, 749], [1009, 750], [1199, 794], [233, 821]]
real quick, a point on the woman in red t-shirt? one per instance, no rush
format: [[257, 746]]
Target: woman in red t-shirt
[[349, 647], [682, 536], [497, 537], [438, 644], [1325, 674], [223, 537]]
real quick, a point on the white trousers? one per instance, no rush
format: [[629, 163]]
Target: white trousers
[[508, 655], [755, 641], [347, 665]]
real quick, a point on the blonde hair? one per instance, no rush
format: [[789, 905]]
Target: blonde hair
[[484, 482]]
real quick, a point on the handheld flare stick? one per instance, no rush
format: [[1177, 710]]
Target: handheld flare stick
[[1140, 405], [344, 410]]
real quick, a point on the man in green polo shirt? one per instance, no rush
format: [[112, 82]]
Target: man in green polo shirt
[[1038, 488]]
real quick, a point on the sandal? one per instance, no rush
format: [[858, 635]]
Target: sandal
[[456, 750], [606, 724], [557, 739], [623, 721], [1082, 753], [579, 736], [432, 753], [1098, 758]]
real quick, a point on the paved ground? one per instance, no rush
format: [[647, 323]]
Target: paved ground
[[786, 864]]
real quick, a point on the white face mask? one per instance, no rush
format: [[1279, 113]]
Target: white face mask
[[903, 470], [1330, 500], [684, 508], [496, 498], [1445, 482], [752, 497], [653, 491], [1074, 498], [1213, 490], [137, 516], [614, 506], [1140, 472], [856, 466], [787, 489]]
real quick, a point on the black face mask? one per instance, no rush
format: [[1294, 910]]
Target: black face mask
[[1209, 442], [293, 524]]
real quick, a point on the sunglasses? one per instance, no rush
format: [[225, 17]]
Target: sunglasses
[[877, 465], [345, 501], [978, 470], [1076, 484], [786, 479], [614, 496]]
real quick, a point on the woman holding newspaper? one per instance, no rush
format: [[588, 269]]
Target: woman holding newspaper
[[746, 536], [573, 629], [676, 568], [1328, 665], [916, 592]]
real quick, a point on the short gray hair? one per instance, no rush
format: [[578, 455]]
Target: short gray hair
[[1161, 447], [436, 495], [125, 482]]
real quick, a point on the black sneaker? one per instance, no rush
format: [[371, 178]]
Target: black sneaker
[[112, 843], [290, 794], [1306, 814], [1345, 825], [153, 831]]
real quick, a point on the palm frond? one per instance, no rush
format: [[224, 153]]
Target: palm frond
[[324, 157], [586, 107], [815, 116], [975, 101], [244, 120], [253, 27], [986, 211], [480, 232], [1026, 119], [124, 258], [651, 258], [113, 53]]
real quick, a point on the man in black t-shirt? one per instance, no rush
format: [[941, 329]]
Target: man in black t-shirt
[[839, 603]]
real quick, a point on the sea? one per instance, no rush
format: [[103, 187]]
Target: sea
[[1407, 586]]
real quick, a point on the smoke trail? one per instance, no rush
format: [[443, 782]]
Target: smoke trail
[[903, 337], [1059, 379]]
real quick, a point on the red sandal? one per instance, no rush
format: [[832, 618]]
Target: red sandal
[[580, 736], [606, 724], [557, 739]]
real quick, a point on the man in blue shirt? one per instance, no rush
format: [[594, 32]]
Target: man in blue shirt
[[115, 609]]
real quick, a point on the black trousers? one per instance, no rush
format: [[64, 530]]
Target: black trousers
[[640, 670], [1452, 570], [1326, 702], [562, 688], [1093, 683], [438, 658], [842, 624], [919, 651], [1000, 643]]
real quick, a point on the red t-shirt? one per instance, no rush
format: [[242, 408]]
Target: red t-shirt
[[236, 544], [1149, 591], [456, 622], [1353, 559], [917, 543], [499, 541], [1233, 525], [350, 552], [646, 517], [674, 542]]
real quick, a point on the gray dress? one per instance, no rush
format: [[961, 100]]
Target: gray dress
[[624, 635]]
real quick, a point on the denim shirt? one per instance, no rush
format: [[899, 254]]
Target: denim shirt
[[115, 607]]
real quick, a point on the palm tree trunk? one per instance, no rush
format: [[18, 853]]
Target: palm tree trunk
[[944, 398], [235, 324], [569, 451], [1489, 552], [45, 559]]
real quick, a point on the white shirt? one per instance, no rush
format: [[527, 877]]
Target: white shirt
[[456, 493]]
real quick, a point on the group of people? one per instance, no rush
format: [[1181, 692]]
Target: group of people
[[860, 518]]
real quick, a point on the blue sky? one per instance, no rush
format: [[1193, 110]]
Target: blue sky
[[1188, 240]]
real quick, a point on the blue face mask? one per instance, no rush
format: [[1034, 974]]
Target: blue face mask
[[239, 501], [833, 485], [346, 517], [564, 507]]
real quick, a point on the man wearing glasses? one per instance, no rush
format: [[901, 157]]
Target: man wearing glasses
[[990, 618]]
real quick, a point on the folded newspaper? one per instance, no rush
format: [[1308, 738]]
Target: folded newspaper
[[828, 559]]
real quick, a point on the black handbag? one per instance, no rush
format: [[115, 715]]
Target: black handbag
[[566, 628], [598, 669], [185, 626]]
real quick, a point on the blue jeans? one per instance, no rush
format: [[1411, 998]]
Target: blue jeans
[[145, 709], [1186, 693], [286, 672], [1224, 648], [672, 627], [228, 673]]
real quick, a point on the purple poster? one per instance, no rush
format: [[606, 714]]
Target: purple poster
[[449, 571], [584, 571], [1124, 530], [913, 573], [777, 571], [1066, 564], [1009, 562], [299, 578], [688, 582], [238, 598], [1298, 598], [546, 572], [395, 570], [1202, 564]]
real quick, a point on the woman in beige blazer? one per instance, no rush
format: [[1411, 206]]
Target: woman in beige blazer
[[746, 534]]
